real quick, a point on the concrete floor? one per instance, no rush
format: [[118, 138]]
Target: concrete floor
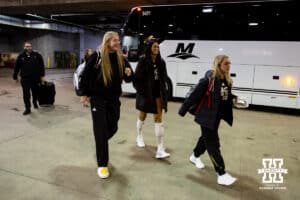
[[50, 155]]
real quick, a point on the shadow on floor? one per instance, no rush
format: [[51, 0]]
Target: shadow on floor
[[85, 180], [147, 154], [47, 116]]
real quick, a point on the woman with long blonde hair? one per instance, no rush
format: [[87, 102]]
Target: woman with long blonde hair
[[214, 101], [104, 73]]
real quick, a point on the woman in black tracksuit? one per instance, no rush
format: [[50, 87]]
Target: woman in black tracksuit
[[214, 101], [151, 97], [104, 75]]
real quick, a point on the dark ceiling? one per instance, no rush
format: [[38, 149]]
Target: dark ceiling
[[96, 14]]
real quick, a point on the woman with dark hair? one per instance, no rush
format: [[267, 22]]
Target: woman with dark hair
[[151, 85], [214, 101]]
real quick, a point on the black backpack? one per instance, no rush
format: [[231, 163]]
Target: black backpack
[[84, 78]]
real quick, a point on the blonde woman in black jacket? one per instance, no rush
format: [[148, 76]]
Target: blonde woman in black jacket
[[214, 101], [103, 75]]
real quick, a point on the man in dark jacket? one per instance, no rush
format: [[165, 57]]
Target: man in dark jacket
[[31, 67]]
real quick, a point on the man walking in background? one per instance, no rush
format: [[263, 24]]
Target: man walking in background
[[30, 64]]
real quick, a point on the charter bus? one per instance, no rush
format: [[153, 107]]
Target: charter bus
[[261, 38]]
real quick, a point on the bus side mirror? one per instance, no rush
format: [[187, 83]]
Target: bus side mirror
[[133, 55]]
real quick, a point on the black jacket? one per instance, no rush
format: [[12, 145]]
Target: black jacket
[[96, 87], [206, 116], [144, 83], [31, 67]]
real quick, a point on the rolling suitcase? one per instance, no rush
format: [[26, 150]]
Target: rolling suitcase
[[46, 94]]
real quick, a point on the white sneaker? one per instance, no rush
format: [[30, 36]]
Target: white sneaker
[[103, 172], [140, 141], [197, 161], [161, 153], [226, 179]]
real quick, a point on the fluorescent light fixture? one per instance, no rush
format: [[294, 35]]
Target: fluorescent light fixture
[[171, 25], [207, 10], [253, 24], [170, 32]]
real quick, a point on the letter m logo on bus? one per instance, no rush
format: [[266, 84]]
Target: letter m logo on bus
[[183, 52]]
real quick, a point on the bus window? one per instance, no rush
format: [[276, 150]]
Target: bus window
[[154, 23], [130, 47], [259, 22], [251, 21]]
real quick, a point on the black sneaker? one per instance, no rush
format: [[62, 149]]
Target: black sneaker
[[35, 105], [26, 112]]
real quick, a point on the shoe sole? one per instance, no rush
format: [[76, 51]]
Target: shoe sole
[[160, 157], [140, 146], [229, 183], [104, 177]]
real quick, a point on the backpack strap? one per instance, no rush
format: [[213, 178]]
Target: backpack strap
[[210, 89], [98, 58]]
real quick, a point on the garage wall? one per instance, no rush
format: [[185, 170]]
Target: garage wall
[[47, 42], [89, 39]]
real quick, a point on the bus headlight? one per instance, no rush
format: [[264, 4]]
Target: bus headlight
[[289, 81]]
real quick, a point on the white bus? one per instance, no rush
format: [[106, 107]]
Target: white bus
[[261, 38]]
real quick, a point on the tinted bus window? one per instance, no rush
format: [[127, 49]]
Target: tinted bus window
[[257, 21]]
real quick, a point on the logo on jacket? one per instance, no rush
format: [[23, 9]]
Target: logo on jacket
[[183, 52]]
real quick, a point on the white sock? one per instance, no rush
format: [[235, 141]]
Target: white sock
[[159, 132], [139, 126]]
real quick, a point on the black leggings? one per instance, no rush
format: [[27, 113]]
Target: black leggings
[[209, 141], [105, 115]]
